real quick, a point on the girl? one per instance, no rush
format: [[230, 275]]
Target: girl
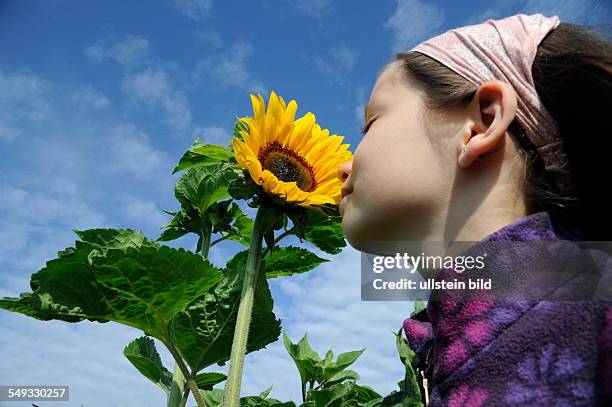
[[494, 132]]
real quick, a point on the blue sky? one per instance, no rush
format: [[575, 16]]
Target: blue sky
[[98, 100]]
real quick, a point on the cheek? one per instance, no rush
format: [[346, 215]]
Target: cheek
[[397, 172], [395, 181]]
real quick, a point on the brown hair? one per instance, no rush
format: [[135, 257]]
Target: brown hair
[[572, 73]]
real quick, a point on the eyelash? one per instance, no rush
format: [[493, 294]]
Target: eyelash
[[365, 129]]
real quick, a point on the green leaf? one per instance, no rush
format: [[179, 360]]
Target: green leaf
[[218, 214], [265, 393], [272, 220], [341, 376], [202, 154], [141, 352], [143, 287], [283, 261], [207, 380], [305, 358], [186, 220], [180, 224], [410, 393], [114, 238], [332, 396], [375, 403], [200, 187], [242, 187], [288, 260], [213, 398], [406, 354], [269, 238], [366, 394], [230, 221], [242, 227], [324, 232], [204, 331], [330, 369], [107, 239], [255, 401], [329, 357], [419, 306], [239, 126], [171, 234], [347, 394], [22, 305]]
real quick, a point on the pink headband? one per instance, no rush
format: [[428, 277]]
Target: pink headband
[[505, 50]]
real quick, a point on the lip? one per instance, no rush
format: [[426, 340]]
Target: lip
[[342, 202]]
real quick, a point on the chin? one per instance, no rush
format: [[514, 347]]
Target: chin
[[356, 235]]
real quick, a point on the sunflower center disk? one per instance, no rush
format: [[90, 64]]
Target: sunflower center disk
[[288, 166]]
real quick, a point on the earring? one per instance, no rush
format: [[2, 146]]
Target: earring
[[462, 155]]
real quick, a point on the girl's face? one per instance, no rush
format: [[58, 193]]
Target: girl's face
[[403, 168]]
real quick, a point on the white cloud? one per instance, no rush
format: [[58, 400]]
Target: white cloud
[[230, 69], [86, 356], [36, 213], [8, 134], [130, 51], [89, 98], [153, 88], [23, 103], [53, 191], [130, 152], [195, 9], [209, 38], [580, 12], [213, 135], [412, 22], [340, 63], [314, 8], [142, 214], [574, 11], [361, 96]]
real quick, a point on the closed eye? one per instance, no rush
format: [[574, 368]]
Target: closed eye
[[365, 128]]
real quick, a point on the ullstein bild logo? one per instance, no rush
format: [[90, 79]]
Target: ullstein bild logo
[[496, 270]]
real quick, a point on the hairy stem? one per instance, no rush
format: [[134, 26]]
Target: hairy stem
[[179, 393], [231, 396], [205, 235], [190, 381]]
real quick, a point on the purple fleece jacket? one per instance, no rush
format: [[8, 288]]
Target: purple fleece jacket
[[518, 353]]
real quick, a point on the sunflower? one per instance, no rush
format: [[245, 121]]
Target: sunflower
[[292, 159]]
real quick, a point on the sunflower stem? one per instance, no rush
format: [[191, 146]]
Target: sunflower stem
[[179, 392], [205, 235], [231, 396], [190, 380]]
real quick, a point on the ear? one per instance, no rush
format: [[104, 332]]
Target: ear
[[491, 112]]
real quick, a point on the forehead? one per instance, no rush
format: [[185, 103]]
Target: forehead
[[389, 76], [391, 79]]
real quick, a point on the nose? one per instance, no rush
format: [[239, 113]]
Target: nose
[[344, 171]]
